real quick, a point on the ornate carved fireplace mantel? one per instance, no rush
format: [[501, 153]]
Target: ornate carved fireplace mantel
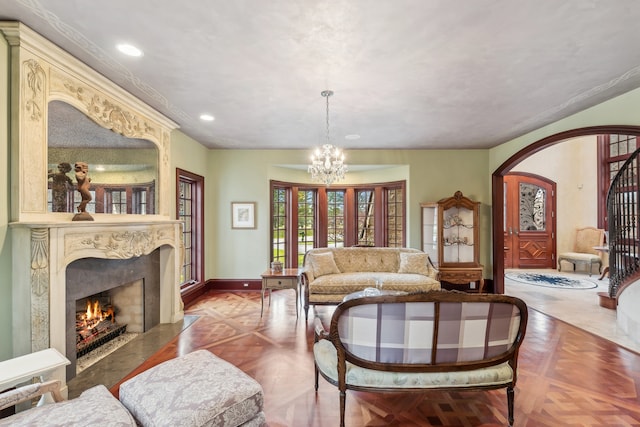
[[43, 242]]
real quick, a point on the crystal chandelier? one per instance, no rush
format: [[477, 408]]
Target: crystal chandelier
[[327, 163]]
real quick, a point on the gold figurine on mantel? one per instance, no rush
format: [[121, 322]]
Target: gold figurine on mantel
[[84, 181]]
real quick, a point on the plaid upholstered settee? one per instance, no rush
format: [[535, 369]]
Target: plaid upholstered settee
[[330, 274], [438, 340]]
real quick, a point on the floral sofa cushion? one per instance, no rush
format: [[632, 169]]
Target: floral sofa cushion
[[323, 264], [414, 263]]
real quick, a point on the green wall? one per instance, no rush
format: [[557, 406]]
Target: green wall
[[244, 175], [6, 347]]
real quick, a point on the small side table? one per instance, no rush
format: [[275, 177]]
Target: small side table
[[288, 278]]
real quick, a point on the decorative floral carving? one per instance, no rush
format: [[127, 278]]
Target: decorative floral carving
[[35, 78], [123, 245], [39, 289], [110, 115], [40, 261]]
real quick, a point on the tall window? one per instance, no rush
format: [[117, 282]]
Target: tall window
[[395, 217], [306, 222], [190, 210], [335, 218], [366, 218], [363, 215], [613, 151], [115, 201], [279, 225]]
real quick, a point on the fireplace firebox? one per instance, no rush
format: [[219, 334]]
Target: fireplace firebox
[[130, 286]]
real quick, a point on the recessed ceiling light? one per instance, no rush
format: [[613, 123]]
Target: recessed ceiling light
[[352, 137], [129, 50], [207, 117]]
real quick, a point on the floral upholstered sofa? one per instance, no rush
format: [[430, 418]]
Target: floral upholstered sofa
[[330, 274]]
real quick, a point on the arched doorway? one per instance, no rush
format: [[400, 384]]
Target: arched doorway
[[497, 186]]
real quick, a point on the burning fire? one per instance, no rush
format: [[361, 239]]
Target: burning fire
[[96, 325], [94, 314]]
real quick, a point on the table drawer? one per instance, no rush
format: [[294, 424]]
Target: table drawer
[[281, 283]]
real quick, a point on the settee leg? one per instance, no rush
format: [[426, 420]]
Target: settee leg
[[510, 395], [343, 398]]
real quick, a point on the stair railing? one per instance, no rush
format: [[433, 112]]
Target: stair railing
[[623, 236]]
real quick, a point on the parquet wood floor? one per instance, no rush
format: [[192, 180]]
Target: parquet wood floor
[[567, 377]]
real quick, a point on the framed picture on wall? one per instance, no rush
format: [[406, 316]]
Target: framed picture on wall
[[243, 215]]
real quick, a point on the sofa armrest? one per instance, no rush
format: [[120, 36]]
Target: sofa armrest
[[320, 333], [28, 392], [434, 273], [307, 276]]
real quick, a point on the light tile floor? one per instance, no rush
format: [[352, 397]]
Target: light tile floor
[[578, 307]]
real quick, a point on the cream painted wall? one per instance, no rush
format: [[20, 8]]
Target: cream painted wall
[[244, 176], [577, 184]]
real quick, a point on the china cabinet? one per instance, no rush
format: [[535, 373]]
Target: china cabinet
[[458, 241]]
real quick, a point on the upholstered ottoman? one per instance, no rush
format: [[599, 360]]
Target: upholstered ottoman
[[198, 389], [95, 406]]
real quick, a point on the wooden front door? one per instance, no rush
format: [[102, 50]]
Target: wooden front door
[[529, 221]]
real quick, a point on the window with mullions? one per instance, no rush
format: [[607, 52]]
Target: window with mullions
[[613, 151], [139, 201], [395, 217], [119, 199], [364, 215], [306, 222], [115, 201], [279, 225], [366, 218], [190, 210], [335, 218]]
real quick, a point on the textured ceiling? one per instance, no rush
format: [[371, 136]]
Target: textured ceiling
[[406, 73]]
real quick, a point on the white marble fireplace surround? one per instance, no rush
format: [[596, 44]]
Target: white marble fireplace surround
[[44, 243]]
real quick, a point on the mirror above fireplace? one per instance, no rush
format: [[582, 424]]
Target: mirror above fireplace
[[123, 170]]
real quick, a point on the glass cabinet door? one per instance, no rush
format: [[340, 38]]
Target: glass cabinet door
[[430, 231], [458, 235]]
